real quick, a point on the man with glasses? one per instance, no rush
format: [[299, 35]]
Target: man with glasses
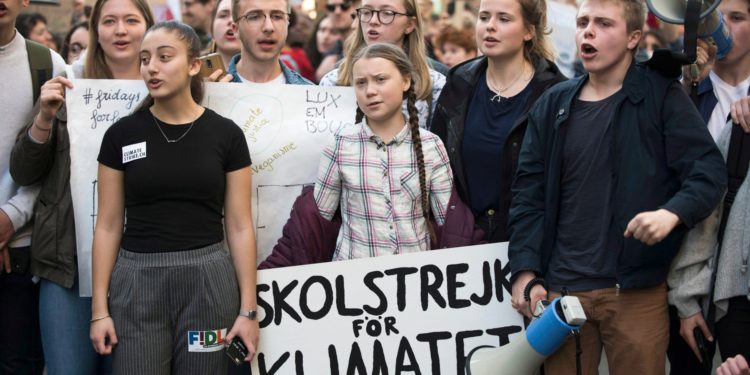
[[262, 26]]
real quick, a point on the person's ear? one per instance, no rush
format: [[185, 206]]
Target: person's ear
[[530, 33], [195, 67], [634, 39], [407, 83], [411, 26]]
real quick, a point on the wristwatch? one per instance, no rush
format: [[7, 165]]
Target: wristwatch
[[250, 314]]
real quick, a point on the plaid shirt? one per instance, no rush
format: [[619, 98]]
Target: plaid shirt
[[377, 186]]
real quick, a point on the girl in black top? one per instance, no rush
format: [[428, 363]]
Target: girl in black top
[[481, 112], [171, 170]]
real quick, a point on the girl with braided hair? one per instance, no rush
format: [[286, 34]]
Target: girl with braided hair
[[387, 175]]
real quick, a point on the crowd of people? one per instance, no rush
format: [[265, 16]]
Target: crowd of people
[[622, 184]]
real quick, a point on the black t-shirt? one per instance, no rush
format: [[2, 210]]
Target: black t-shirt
[[585, 255], [488, 123], [174, 192]]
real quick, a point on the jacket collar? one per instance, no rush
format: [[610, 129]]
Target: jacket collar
[[465, 76], [635, 82], [633, 87], [705, 85]]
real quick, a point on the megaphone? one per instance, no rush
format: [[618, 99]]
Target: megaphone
[[543, 337], [710, 25]]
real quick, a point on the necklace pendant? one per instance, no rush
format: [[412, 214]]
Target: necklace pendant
[[171, 140]]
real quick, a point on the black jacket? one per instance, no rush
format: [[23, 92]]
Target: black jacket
[[448, 124], [662, 157]]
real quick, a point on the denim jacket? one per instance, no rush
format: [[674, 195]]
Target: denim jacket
[[290, 76]]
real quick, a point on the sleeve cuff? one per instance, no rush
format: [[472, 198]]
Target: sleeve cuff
[[16, 218], [685, 307], [32, 139]]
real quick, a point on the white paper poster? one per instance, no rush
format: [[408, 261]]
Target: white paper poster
[[286, 126], [418, 313]]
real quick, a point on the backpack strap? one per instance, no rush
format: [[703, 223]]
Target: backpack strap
[[40, 66], [738, 160]]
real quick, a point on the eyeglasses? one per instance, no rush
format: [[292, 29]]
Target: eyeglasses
[[257, 17], [344, 6], [385, 16]]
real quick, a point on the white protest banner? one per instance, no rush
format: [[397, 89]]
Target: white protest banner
[[418, 313], [286, 126], [93, 105]]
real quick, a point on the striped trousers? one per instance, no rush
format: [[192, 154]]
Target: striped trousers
[[172, 311]]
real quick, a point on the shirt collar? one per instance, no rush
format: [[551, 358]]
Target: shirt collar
[[399, 138]]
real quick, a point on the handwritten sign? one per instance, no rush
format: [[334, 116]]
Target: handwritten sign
[[92, 108], [418, 313], [286, 127], [278, 123]]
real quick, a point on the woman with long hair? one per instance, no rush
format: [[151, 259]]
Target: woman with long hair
[[481, 114], [225, 41], [167, 297], [322, 39], [397, 22], [42, 156]]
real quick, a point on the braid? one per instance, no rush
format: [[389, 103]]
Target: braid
[[411, 99], [360, 115]]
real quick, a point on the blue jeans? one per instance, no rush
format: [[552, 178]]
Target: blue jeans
[[64, 321]]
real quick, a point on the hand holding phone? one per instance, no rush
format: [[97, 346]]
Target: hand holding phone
[[700, 342], [211, 63], [236, 351]]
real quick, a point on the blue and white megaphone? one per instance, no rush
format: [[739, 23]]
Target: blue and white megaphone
[[710, 25], [525, 354]]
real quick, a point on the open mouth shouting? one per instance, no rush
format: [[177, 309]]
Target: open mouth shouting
[[587, 51]]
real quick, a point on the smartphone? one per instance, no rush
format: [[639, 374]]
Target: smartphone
[[700, 341], [211, 63], [236, 351]]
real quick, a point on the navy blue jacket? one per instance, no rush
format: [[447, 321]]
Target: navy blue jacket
[[662, 157], [449, 123], [707, 99]]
